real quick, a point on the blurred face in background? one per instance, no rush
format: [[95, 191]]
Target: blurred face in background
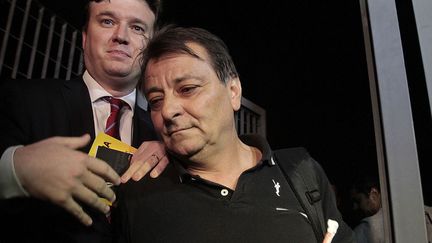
[[367, 204]]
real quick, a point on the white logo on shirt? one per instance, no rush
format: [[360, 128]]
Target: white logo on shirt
[[277, 186]]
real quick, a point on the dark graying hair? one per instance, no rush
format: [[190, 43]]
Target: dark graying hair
[[172, 39], [365, 182], [155, 7]]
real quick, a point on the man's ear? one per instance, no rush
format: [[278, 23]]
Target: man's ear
[[374, 195], [235, 90], [84, 38]]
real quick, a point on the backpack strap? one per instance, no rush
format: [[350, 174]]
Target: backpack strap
[[295, 164]]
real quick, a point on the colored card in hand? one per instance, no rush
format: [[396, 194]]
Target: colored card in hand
[[118, 160], [107, 141], [113, 151]]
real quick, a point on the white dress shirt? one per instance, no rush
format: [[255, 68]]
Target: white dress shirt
[[102, 109]]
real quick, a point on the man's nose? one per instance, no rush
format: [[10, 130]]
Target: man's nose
[[171, 107], [121, 34]]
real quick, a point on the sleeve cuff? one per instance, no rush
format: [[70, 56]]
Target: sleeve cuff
[[10, 186]]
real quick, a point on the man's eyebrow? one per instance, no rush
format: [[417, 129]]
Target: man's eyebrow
[[111, 14], [105, 13], [176, 81], [140, 21], [152, 90]]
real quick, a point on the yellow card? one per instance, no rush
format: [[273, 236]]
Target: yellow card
[[102, 139]]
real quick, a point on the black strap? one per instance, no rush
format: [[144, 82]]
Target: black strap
[[301, 177]]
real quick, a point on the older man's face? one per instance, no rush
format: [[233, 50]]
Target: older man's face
[[191, 109]]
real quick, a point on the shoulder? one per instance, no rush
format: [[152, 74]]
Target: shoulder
[[294, 155], [38, 86], [294, 151], [133, 190], [24, 83], [362, 231], [28, 95], [362, 226], [296, 158]]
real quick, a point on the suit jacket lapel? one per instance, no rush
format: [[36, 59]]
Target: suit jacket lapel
[[79, 109]]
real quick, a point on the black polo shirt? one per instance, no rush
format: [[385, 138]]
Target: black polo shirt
[[179, 207]]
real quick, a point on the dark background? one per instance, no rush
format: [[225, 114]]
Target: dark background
[[303, 62]]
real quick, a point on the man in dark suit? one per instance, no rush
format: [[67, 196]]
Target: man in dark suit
[[49, 185]]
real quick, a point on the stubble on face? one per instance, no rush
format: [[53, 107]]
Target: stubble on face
[[192, 125]]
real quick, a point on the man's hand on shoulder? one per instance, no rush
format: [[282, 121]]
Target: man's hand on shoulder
[[150, 155], [54, 170]]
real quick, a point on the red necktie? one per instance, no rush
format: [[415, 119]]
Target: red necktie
[[113, 122]]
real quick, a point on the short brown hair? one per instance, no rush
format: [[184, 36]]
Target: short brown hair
[[155, 7], [173, 39]]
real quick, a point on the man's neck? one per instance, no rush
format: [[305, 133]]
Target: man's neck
[[116, 88], [226, 166]]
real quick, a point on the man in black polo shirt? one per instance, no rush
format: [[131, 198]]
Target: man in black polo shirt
[[220, 187]]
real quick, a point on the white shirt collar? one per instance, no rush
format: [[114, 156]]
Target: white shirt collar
[[96, 92]]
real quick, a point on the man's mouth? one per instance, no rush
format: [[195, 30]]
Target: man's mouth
[[173, 131], [119, 53]]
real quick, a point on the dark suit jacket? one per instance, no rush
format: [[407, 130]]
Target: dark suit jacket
[[33, 110]]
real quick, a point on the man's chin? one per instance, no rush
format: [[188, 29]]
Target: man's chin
[[122, 72], [184, 147]]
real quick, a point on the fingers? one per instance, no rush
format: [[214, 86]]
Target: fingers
[[98, 187], [163, 162], [139, 168], [72, 142], [76, 210], [92, 190], [144, 159], [102, 169], [90, 198], [134, 166], [146, 167]]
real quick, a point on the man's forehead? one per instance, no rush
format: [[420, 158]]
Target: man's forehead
[[124, 9], [116, 4], [109, 1]]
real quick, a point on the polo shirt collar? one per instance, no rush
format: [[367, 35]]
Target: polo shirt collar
[[250, 139], [260, 143]]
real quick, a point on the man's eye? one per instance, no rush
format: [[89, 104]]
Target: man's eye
[[187, 89], [138, 29], [107, 22], [155, 104]]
